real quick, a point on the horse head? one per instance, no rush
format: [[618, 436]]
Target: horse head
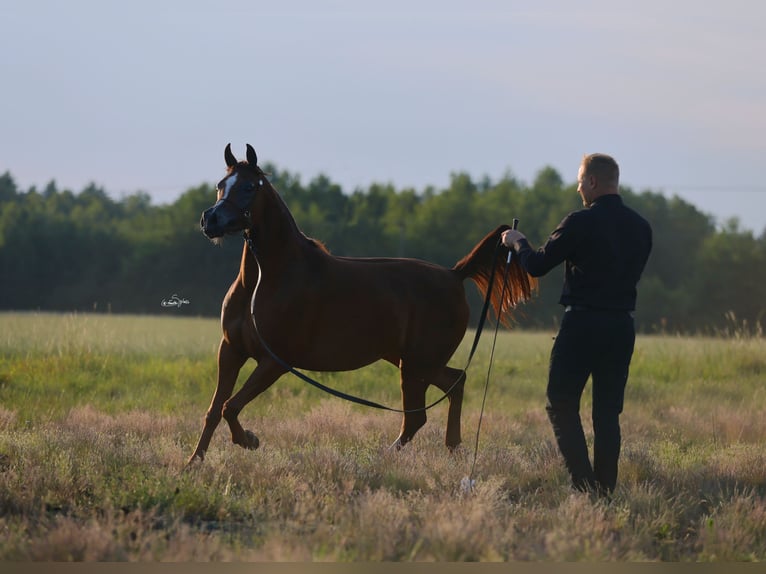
[[232, 212]]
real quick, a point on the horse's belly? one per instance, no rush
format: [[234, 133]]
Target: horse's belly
[[336, 350]]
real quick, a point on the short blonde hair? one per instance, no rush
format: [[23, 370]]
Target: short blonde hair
[[603, 167]]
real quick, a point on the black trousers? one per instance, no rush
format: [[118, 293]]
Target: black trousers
[[598, 344]]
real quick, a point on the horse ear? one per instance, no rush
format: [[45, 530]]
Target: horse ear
[[252, 158], [231, 161]]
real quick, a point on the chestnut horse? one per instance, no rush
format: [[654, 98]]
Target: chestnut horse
[[319, 312]]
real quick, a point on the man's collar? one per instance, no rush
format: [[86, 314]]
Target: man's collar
[[607, 198]]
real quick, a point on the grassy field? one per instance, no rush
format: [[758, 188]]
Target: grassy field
[[99, 413]]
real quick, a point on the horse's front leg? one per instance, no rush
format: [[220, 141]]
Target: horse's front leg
[[265, 374], [229, 364]]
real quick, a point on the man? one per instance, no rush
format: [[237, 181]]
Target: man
[[605, 247]]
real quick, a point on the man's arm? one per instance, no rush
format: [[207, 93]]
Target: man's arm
[[557, 248]]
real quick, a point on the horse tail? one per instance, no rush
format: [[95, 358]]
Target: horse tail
[[477, 266]]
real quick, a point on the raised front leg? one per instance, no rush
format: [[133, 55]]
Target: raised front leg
[[229, 364], [265, 374]]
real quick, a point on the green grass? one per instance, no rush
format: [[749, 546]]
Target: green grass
[[98, 414]]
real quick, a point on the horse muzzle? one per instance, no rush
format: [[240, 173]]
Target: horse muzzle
[[221, 220], [211, 225]]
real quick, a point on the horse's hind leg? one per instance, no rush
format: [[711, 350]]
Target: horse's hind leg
[[413, 403], [229, 364], [452, 381]]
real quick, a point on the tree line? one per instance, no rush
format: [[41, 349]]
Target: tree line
[[86, 251]]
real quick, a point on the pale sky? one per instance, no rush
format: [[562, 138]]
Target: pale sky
[[144, 95]]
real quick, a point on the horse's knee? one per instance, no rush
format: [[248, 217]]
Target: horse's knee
[[213, 417]]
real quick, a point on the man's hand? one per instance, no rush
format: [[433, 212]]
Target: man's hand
[[511, 236]]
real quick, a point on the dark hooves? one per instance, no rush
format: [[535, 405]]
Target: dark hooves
[[252, 441]]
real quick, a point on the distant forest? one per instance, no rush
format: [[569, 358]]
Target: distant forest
[[85, 251]]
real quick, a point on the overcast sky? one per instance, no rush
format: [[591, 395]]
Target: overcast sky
[[144, 95]]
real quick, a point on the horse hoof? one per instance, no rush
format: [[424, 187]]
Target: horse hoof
[[252, 441], [397, 446], [195, 460]]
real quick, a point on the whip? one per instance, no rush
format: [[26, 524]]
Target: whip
[[468, 482]]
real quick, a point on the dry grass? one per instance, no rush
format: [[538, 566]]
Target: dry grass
[[97, 478]]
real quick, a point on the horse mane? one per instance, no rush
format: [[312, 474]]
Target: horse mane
[[282, 205], [316, 243]]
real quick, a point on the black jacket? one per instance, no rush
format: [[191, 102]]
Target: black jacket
[[605, 247]]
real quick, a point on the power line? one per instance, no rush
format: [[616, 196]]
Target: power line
[[707, 188]]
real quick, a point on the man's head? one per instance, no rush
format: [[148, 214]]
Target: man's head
[[599, 175]]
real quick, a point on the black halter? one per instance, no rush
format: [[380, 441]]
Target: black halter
[[244, 212]]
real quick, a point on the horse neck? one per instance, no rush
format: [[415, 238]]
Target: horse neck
[[276, 237]]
